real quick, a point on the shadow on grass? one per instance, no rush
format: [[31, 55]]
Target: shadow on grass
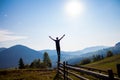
[[57, 77]]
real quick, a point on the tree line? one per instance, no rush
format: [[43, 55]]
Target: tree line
[[95, 58], [37, 63]]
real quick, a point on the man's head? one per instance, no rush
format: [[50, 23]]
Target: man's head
[[56, 38]]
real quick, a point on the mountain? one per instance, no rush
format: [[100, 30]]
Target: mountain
[[92, 49], [79, 52], [1, 49], [118, 44], [10, 57], [115, 50], [53, 56], [71, 57]]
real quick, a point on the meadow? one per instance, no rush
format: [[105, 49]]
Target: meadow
[[107, 63], [104, 64], [44, 74], [24, 74]]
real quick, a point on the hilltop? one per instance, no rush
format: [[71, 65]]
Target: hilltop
[[105, 64], [9, 57]]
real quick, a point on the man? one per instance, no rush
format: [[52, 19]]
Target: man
[[57, 42]]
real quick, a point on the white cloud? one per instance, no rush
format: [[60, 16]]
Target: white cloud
[[6, 35]]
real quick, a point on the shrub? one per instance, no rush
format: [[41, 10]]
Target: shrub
[[109, 54], [85, 61]]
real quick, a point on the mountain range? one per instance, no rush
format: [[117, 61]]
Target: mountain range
[[9, 57], [1, 49]]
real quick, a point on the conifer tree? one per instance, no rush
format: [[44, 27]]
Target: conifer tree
[[21, 64], [46, 60]]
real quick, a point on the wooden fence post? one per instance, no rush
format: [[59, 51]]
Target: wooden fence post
[[67, 70], [64, 69], [111, 75], [118, 69]]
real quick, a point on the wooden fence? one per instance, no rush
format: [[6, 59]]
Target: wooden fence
[[66, 70]]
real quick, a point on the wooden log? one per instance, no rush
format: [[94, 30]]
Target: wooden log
[[78, 76], [118, 70], [92, 73], [111, 75]]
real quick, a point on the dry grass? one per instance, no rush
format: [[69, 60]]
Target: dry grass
[[27, 74]]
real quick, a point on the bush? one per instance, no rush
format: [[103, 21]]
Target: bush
[[109, 54], [37, 64], [85, 61], [97, 57]]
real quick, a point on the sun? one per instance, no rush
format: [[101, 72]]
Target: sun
[[73, 8]]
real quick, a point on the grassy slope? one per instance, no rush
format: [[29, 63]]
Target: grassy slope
[[106, 63]]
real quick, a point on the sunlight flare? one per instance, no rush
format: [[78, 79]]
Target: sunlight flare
[[74, 8]]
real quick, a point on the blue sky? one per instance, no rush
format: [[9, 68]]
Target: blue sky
[[84, 22]]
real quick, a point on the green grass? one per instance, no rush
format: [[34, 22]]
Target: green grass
[[107, 63], [27, 74]]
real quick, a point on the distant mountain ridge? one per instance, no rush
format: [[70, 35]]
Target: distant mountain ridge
[[9, 57], [69, 55], [1, 49], [115, 50], [92, 49]]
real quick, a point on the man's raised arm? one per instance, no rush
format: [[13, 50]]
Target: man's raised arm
[[62, 36], [51, 38]]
